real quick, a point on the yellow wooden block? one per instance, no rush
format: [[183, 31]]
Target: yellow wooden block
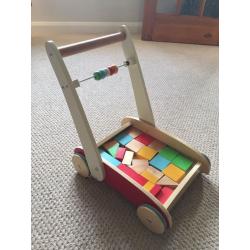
[[155, 172], [149, 176], [148, 186], [147, 152], [174, 173], [137, 157]]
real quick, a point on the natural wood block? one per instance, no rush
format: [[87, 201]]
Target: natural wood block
[[120, 153], [182, 162], [157, 145], [149, 185], [155, 172], [139, 168], [134, 132], [138, 162], [128, 157], [109, 144], [174, 173], [149, 176], [147, 152], [134, 145], [144, 138], [166, 181], [168, 153], [159, 162], [164, 194]]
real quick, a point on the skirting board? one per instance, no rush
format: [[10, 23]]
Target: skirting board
[[62, 28]]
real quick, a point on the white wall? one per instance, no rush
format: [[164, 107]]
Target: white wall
[[87, 10]]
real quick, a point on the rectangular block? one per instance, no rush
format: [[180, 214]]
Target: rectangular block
[[131, 173], [159, 162], [155, 172], [174, 173], [113, 149], [138, 162], [124, 138], [147, 153], [164, 194], [168, 153], [157, 145], [128, 157], [109, 144], [120, 153], [155, 190], [149, 176], [134, 132], [182, 162], [134, 145], [107, 157], [139, 168], [144, 138], [166, 181], [148, 186]]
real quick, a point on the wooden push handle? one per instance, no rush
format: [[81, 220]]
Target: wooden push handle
[[74, 48]]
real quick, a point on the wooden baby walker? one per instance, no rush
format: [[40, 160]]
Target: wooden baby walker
[[148, 166]]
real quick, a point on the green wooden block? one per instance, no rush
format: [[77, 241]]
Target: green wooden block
[[113, 149], [182, 162], [168, 153]]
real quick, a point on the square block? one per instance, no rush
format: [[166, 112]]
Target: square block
[[164, 194], [134, 132], [148, 186], [157, 145], [113, 149], [147, 153], [128, 157], [131, 173], [109, 159], [182, 162], [174, 173], [140, 162], [149, 176], [159, 162], [134, 145], [124, 138], [144, 138], [168, 153], [109, 144], [155, 190], [166, 181], [155, 172], [120, 153], [139, 168]]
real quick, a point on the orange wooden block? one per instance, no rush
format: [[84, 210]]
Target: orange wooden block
[[147, 152], [128, 158], [149, 185], [149, 176], [174, 173], [134, 145], [134, 132], [157, 145], [166, 181], [155, 172], [139, 168]]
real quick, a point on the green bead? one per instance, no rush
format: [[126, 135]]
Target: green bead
[[102, 73], [97, 75]]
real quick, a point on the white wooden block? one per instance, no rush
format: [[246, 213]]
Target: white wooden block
[[128, 157]]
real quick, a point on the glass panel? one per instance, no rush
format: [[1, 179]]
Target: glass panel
[[190, 7], [211, 8], [166, 6]]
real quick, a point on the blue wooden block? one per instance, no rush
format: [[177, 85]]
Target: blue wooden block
[[107, 157], [124, 138], [159, 162]]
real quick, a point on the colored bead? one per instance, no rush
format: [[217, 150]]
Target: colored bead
[[102, 73], [97, 75], [107, 72], [113, 69]]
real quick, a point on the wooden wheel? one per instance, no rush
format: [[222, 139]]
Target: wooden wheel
[[151, 218], [80, 165]]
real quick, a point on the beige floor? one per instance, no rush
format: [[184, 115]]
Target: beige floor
[[69, 212]]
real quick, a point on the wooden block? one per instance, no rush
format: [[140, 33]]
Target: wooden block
[[144, 138], [149, 185], [109, 144], [139, 168], [128, 157], [147, 153], [134, 145], [159, 162], [157, 145], [182, 162], [107, 157], [164, 194], [174, 173], [120, 153], [168, 153], [113, 149], [140, 162], [124, 138], [149, 176], [166, 181], [155, 190], [155, 172], [131, 173], [134, 132]]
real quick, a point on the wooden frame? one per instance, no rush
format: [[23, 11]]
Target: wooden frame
[[179, 28]]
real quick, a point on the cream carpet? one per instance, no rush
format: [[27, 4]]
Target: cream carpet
[[70, 212]]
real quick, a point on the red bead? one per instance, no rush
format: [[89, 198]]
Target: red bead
[[113, 69]]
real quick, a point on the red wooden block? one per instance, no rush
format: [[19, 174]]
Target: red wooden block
[[155, 190], [131, 173], [145, 139], [120, 153], [164, 194]]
